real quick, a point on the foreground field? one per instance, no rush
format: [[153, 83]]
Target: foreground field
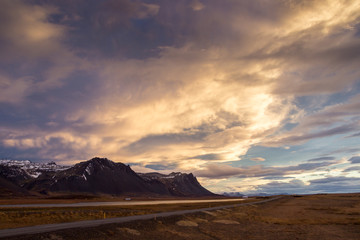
[[301, 217], [14, 217]]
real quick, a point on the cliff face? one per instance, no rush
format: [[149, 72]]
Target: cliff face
[[178, 184]]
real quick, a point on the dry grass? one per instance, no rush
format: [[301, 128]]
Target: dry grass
[[20, 217], [76, 198], [317, 210], [330, 217]]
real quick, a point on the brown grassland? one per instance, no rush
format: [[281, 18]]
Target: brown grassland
[[312, 217], [21, 217], [61, 198]]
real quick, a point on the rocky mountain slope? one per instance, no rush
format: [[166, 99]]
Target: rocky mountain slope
[[32, 169], [178, 184], [98, 176], [12, 179]]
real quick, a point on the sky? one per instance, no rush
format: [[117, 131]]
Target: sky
[[250, 96]]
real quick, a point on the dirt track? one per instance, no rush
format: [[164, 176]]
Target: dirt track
[[308, 217]]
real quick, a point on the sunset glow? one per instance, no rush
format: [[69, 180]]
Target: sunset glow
[[250, 96]]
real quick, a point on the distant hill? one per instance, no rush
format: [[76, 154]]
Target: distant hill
[[233, 194], [101, 176]]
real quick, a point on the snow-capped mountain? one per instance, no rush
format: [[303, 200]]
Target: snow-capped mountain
[[34, 170], [233, 194], [97, 176]]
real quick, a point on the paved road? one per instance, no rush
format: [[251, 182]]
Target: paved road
[[93, 223], [119, 203]]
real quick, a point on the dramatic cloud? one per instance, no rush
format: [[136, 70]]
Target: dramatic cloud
[[331, 120], [26, 31], [34, 55], [187, 85]]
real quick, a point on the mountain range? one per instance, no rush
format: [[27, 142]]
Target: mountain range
[[95, 176]]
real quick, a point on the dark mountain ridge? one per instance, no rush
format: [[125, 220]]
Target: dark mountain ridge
[[12, 180], [103, 176], [178, 184]]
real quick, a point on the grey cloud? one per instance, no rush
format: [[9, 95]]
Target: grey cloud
[[355, 159], [276, 178], [350, 169], [343, 187], [154, 141], [349, 52], [14, 90], [345, 114], [221, 171], [311, 81], [39, 114], [324, 185], [53, 149], [206, 28], [210, 156], [35, 58], [19, 31], [315, 63], [346, 150], [334, 179], [307, 166], [301, 49], [321, 159], [330, 132], [355, 135], [276, 187], [335, 113], [113, 13], [161, 166]]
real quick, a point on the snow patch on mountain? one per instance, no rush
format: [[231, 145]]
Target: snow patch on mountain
[[33, 169], [89, 169]]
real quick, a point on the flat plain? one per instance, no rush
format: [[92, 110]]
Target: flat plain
[[15, 217], [325, 216]]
